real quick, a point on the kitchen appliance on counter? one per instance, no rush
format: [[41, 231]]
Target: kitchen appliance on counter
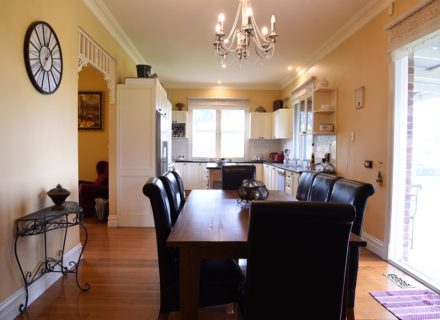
[[276, 157]]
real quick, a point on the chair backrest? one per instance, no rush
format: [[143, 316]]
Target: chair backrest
[[102, 171], [167, 256], [312, 239], [305, 182], [322, 187], [355, 193], [181, 186], [233, 175], [172, 189]]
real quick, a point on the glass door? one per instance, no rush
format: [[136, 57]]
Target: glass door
[[415, 217], [303, 119]]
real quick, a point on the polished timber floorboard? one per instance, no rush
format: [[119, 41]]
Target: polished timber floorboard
[[121, 266]]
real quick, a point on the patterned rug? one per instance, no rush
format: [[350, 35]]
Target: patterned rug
[[411, 304]]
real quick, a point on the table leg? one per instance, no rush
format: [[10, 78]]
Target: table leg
[[189, 283]]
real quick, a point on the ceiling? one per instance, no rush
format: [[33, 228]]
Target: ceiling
[[175, 37]]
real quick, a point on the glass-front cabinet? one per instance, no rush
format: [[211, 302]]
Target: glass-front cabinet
[[303, 125], [314, 118]]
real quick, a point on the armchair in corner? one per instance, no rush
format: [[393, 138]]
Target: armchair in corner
[[89, 191]]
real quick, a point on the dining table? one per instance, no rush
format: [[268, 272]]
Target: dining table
[[213, 224]]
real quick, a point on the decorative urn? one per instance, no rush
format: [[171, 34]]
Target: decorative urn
[[58, 195]]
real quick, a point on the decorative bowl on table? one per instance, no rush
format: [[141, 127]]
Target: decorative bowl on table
[[250, 190]]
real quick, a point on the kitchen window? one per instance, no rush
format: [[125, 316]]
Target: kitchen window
[[217, 128]]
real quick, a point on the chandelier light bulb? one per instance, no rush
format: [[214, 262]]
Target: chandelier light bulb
[[264, 31], [217, 28], [221, 19], [249, 15], [272, 23]]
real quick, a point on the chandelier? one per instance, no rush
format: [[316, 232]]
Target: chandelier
[[243, 33]]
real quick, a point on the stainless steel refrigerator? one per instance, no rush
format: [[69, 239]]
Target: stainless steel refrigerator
[[161, 144]]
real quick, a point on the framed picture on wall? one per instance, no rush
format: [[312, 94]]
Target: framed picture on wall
[[89, 110]]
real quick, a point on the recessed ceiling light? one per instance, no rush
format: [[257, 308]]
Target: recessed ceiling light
[[219, 82], [289, 68]]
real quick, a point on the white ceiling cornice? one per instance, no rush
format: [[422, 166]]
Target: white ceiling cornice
[[241, 86], [103, 14], [360, 19]]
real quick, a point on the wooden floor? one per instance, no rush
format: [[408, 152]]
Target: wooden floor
[[121, 266]]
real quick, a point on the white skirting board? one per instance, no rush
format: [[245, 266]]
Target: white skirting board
[[375, 245], [9, 307]]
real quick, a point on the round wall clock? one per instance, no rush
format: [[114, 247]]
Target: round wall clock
[[42, 57]]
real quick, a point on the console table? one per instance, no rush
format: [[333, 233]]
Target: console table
[[40, 222]]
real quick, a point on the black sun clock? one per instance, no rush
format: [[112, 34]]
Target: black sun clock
[[42, 57]]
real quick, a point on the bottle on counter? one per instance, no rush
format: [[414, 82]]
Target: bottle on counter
[[312, 162]]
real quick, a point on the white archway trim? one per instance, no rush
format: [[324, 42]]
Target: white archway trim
[[91, 53]]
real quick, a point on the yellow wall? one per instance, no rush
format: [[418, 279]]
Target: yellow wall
[[93, 145], [256, 98], [39, 135], [362, 60]]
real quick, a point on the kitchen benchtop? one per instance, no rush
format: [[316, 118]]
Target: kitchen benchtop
[[211, 161], [213, 165]]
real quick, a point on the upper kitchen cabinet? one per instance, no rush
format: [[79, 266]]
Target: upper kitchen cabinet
[[180, 116], [142, 147], [282, 124], [260, 125], [179, 125], [163, 106], [324, 110]]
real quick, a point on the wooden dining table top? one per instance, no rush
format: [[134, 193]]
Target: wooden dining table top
[[215, 217]]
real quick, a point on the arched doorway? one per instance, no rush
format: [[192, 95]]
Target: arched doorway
[[96, 81]]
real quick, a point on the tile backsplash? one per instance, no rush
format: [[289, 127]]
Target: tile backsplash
[[256, 148], [325, 144]]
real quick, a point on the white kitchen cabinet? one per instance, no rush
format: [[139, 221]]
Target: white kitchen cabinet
[[180, 167], [163, 106], [282, 124], [303, 125], [291, 182], [270, 176], [136, 149], [260, 125], [205, 177], [180, 116], [194, 175]]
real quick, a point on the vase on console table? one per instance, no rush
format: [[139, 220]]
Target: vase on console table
[[58, 196]]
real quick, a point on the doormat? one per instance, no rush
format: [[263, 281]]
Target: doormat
[[398, 280], [410, 304]]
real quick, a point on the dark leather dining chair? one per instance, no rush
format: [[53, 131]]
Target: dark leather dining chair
[[357, 194], [181, 186], [174, 196], [305, 182], [322, 186], [233, 175], [218, 278], [313, 239]]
